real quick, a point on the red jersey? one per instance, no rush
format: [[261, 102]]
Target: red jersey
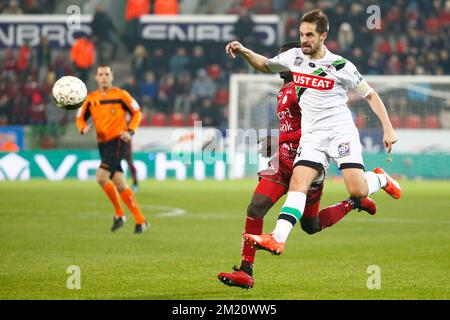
[[290, 118]]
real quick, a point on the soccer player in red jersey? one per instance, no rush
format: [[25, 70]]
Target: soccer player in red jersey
[[274, 183]]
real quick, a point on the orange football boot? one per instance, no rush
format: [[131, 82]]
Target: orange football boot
[[392, 187], [265, 242]]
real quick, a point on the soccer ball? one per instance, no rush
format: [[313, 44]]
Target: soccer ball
[[69, 93]]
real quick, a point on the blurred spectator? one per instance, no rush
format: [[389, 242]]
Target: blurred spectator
[[159, 63], [394, 65], [5, 103], [410, 65], [24, 60], [32, 7], [149, 90], [166, 94], [134, 10], [197, 61], [9, 63], [37, 109], [104, 31], [345, 37], [83, 56], [133, 88], [179, 62], [359, 60], [243, 28], [375, 64], [444, 15], [202, 87], [210, 113], [182, 101], [139, 63], [263, 7], [43, 59], [278, 6], [444, 60], [168, 7], [13, 8]]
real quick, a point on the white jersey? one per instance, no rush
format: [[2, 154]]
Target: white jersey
[[322, 87]]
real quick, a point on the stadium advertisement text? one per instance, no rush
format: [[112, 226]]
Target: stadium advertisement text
[[63, 164], [62, 30], [199, 28], [16, 30]]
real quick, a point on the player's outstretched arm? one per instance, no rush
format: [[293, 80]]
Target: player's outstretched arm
[[377, 105], [257, 61]]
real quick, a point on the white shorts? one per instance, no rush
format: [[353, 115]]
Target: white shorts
[[318, 148]]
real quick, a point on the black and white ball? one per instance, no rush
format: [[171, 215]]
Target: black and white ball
[[69, 93]]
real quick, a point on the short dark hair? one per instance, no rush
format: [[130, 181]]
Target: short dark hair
[[289, 45], [104, 66], [319, 18]]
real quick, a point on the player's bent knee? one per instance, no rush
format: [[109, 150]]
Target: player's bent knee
[[258, 207], [358, 193], [310, 225], [101, 180]]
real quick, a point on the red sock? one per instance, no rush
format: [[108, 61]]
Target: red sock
[[331, 215], [252, 226]]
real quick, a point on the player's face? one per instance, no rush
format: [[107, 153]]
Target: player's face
[[104, 77], [310, 39]]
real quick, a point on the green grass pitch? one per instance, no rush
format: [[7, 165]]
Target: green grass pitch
[[47, 226]]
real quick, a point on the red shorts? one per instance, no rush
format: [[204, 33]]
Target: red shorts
[[274, 184], [279, 171]]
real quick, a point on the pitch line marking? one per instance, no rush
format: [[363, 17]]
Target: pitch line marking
[[168, 212]]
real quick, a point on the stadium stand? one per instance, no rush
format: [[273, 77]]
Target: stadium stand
[[408, 29]]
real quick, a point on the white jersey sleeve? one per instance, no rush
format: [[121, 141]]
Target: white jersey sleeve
[[354, 80], [283, 61]]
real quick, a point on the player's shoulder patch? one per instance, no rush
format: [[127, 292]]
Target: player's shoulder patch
[[298, 61]]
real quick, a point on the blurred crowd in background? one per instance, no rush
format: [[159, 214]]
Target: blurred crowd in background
[[177, 84]]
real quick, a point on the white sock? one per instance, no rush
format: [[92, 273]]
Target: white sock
[[282, 230], [375, 181], [383, 180], [292, 209]]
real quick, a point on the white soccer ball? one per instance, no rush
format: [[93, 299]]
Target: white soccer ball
[[69, 93]]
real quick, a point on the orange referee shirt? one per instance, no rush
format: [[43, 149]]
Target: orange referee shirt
[[109, 113]]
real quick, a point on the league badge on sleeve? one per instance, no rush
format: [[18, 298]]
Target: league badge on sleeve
[[298, 61], [344, 149]]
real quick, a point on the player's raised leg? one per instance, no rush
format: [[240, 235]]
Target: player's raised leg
[[130, 200], [313, 220], [387, 183], [102, 177], [361, 184]]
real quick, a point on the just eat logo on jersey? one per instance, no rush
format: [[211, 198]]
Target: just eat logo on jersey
[[313, 82]]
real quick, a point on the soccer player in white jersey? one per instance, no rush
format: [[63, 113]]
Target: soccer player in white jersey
[[329, 133]]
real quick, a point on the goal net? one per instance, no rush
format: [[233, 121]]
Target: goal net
[[418, 106]]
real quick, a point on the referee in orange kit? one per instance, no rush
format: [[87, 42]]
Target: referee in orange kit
[[108, 107]]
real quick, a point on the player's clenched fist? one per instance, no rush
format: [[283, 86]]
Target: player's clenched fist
[[234, 48]]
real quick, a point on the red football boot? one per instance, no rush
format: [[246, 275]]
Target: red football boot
[[265, 242], [237, 278], [368, 205], [392, 187]]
